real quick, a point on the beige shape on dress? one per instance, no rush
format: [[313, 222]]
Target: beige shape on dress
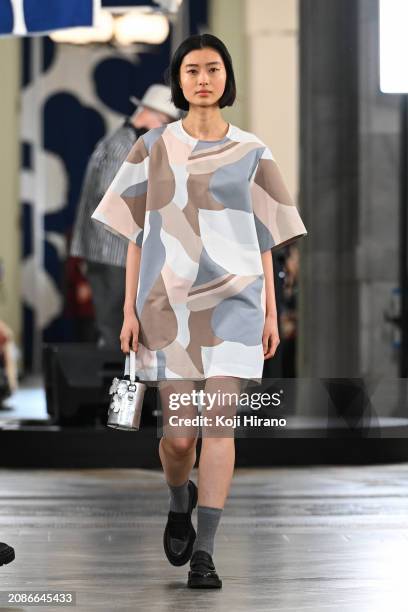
[[158, 322], [266, 209], [269, 178], [175, 223], [117, 214], [181, 361], [177, 151], [210, 164], [201, 334], [162, 183], [199, 193], [177, 287], [212, 297], [138, 152]]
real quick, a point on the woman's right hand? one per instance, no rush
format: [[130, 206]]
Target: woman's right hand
[[129, 335]]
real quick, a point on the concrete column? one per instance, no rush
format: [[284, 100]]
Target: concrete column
[[377, 252], [226, 20], [272, 84], [348, 192], [329, 189]]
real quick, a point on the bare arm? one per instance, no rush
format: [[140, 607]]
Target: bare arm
[[267, 263], [270, 338], [130, 330], [132, 276]]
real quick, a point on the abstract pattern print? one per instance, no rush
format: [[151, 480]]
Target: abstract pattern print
[[202, 213]]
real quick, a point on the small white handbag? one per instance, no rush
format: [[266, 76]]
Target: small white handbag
[[126, 402]]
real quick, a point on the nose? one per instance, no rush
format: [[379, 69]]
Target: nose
[[203, 80]]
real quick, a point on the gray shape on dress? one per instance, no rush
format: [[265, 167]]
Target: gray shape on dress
[[139, 239], [135, 190], [240, 318], [265, 239], [153, 258], [204, 144], [208, 270], [161, 364], [152, 135], [227, 184]]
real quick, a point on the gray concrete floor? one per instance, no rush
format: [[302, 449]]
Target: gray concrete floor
[[315, 538]]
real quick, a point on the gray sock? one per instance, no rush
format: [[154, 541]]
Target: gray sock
[[179, 497], [207, 523]]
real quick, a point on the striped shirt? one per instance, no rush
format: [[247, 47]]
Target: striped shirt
[[90, 240]]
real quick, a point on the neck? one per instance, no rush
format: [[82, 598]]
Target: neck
[[205, 123]]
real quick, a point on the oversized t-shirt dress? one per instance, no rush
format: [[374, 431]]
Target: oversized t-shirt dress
[[202, 213]]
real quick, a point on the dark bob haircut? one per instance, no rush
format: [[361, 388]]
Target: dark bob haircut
[[199, 41]]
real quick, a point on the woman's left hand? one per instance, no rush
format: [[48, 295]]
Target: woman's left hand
[[270, 337]]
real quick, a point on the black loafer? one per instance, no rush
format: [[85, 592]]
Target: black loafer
[[179, 534], [202, 574], [6, 553]]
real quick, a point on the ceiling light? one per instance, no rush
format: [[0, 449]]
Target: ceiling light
[[139, 27], [393, 46], [101, 32]]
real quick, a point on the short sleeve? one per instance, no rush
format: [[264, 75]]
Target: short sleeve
[[123, 207], [277, 219]]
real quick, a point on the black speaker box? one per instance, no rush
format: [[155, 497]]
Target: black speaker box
[[77, 378]]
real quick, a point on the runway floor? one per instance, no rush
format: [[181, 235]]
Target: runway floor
[[290, 539]]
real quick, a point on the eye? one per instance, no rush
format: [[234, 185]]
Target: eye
[[214, 69]]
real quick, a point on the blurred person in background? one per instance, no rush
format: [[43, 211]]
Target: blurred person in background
[[8, 362], [78, 303], [104, 253], [289, 317], [8, 384]]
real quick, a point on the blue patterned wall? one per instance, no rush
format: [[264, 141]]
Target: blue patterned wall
[[79, 95]]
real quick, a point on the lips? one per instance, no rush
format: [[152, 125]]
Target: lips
[[203, 92]]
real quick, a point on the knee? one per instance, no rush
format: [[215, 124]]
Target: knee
[[179, 446]]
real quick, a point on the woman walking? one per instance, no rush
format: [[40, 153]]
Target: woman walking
[[202, 203]]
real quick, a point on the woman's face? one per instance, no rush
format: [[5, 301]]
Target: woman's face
[[202, 69]]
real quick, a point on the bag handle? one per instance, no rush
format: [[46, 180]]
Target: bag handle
[[132, 365]]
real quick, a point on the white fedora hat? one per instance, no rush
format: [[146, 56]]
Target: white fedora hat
[[157, 97]]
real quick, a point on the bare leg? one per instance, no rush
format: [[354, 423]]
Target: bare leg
[[217, 457], [177, 447]]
